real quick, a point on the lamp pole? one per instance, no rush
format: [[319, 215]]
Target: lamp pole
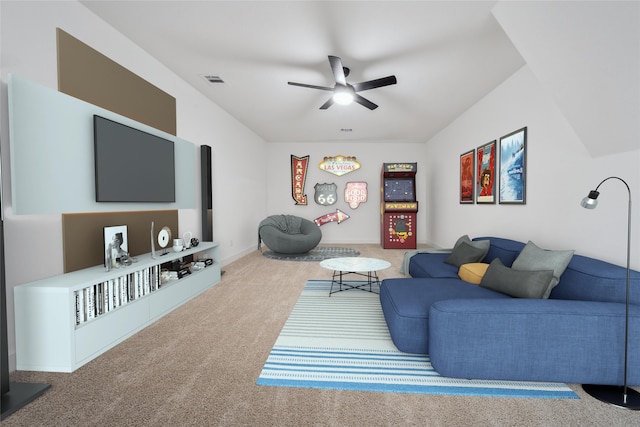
[[630, 398]]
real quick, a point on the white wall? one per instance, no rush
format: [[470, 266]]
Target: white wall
[[587, 54], [560, 172], [363, 226], [33, 242]]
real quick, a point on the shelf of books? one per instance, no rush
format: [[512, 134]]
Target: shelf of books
[[96, 300], [65, 321]]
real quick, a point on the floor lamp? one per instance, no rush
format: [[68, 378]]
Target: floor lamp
[[624, 396]]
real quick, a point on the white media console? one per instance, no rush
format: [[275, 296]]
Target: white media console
[[51, 337]]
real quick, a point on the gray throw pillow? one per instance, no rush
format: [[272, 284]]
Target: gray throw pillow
[[516, 283], [480, 244], [533, 258], [464, 253]]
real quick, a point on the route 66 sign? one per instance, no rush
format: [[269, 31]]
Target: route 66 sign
[[326, 194]]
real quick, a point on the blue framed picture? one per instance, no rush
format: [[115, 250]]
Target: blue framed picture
[[513, 167]]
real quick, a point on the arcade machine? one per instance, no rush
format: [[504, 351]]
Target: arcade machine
[[398, 205]]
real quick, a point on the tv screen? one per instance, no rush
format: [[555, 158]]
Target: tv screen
[[398, 190], [132, 165]]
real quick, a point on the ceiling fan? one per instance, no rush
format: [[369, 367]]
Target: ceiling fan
[[344, 93]]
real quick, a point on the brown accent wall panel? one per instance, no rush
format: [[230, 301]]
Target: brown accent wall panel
[[85, 73], [83, 235]]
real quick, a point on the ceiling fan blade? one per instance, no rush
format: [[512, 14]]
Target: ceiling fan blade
[[327, 104], [363, 101], [372, 84], [338, 71], [310, 86]]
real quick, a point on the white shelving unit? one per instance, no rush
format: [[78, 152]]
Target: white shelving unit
[[48, 337]]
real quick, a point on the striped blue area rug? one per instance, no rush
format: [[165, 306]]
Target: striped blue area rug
[[342, 342]]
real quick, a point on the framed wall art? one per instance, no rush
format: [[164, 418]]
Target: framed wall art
[[467, 165], [513, 167], [116, 243], [486, 173]]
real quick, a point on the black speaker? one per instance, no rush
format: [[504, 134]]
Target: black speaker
[[206, 187], [14, 395], [4, 352]]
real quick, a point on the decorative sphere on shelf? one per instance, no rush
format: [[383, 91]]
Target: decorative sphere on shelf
[[195, 242]]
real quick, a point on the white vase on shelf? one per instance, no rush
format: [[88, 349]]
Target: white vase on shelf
[[178, 245]]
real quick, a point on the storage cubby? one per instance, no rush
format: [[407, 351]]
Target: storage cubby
[[56, 333]]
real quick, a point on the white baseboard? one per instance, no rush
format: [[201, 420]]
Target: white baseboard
[[236, 256]]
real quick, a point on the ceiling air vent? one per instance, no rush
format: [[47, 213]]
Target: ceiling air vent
[[212, 78]]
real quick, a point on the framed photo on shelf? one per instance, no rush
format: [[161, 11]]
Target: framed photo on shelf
[[467, 166], [116, 236], [513, 167], [486, 173]]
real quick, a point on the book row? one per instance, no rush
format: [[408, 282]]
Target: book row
[[103, 297]]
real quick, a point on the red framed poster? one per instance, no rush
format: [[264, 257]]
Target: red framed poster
[[486, 173], [467, 163]]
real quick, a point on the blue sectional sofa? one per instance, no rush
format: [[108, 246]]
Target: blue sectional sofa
[[471, 331]]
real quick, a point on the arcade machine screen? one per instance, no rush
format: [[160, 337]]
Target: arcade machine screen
[[398, 190]]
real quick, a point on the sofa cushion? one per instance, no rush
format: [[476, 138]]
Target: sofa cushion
[[516, 283], [505, 249], [533, 340], [473, 272], [432, 265], [405, 304], [533, 258], [590, 279]]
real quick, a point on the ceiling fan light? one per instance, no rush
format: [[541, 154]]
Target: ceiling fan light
[[343, 96]]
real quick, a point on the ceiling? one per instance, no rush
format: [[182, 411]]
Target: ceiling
[[445, 55]]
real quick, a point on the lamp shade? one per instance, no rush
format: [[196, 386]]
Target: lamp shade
[[591, 201]]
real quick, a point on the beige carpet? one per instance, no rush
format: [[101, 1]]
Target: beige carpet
[[198, 366]]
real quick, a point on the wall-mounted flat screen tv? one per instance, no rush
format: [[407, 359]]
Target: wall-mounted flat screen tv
[[132, 165]]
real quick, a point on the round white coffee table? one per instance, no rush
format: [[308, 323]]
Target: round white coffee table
[[367, 267]]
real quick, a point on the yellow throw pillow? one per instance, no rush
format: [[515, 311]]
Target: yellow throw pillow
[[473, 272]]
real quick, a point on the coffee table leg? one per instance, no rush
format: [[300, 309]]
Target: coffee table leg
[[373, 279], [333, 280]]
